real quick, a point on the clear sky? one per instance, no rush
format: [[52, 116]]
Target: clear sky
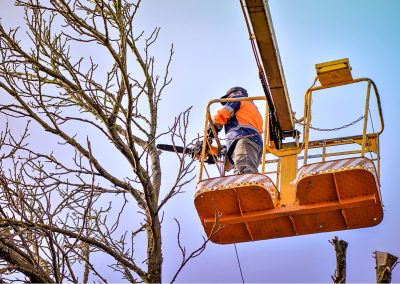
[[212, 54]]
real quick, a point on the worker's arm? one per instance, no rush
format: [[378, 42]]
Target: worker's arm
[[224, 114]]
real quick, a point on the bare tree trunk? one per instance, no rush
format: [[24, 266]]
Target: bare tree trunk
[[385, 263], [155, 253], [340, 249]]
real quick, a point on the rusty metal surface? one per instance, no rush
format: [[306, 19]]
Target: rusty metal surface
[[331, 196], [341, 181], [232, 196]]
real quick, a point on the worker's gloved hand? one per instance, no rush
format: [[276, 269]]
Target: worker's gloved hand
[[210, 159]]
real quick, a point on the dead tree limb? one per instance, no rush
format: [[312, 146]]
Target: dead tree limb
[[385, 263], [340, 249]]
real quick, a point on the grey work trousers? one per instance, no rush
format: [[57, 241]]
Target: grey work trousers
[[246, 156]]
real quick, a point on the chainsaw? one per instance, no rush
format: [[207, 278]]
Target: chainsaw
[[213, 153]]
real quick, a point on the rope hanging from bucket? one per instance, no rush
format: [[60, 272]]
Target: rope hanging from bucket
[[240, 267]]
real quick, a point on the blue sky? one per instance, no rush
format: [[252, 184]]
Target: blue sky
[[212, 54]]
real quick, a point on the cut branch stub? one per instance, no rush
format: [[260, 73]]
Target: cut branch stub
[[385, 263], [340, 249]]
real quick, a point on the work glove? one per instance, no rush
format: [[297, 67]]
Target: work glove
[[210, 159]]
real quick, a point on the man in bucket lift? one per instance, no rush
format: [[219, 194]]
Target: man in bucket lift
[[243, 126]]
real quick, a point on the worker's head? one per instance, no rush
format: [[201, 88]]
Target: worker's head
[[235, 92]]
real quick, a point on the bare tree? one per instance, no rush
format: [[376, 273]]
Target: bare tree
[[66, 214]]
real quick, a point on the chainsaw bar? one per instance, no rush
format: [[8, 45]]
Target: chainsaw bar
[[177, 149]]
